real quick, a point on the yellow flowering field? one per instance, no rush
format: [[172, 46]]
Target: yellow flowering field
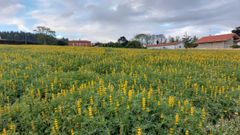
[[104, 91]]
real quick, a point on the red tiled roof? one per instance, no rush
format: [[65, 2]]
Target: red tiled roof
[[217, 38], [164, 44]]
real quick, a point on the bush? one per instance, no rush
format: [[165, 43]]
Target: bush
[[236, 46]]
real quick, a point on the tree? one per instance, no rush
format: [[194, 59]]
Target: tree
[[171, 39], [177, 39], [44, 33], [143, 38], [122, 40], [146, 39], [190, 42], [98, 44], [121, 43], [134, 44], [62, 42], [19, 37], [111, 44], [236, 31], [31, 38]]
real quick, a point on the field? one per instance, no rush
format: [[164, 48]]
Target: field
[[67, 90]]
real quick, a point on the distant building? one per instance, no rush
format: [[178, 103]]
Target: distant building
[[218, 41], [80, 43], [174, 45]]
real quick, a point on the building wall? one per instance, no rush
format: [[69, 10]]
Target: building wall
[[79, 44], [226, 44], [179, 46]]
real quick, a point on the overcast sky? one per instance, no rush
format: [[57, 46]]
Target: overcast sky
[[107, 20]]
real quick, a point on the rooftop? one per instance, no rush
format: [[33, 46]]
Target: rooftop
[[217, 38]]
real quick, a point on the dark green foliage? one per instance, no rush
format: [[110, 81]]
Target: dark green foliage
[[236, 31], [134, 44], [235, 46], [130, 44], [39, 37], [20, 36], [190, 42], [63, 41], [122, 43]]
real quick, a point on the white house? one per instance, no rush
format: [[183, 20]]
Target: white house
[[173, 45]]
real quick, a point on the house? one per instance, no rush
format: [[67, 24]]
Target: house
[[173, 45], [218, 41], [79, 43]]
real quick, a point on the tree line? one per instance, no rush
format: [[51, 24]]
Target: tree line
[[42, 35], [46, 36], [140, 40], [122, 42], [189, 41]]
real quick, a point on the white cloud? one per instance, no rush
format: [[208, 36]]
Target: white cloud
[[105, 20], [227, 31], [8, 14]]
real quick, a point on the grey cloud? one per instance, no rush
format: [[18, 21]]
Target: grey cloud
[[114, 18], [174, 11]]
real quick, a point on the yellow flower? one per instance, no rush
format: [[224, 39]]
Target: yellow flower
[[56, 127], [139, 131], [91, 100], [110, 99], [90, 113], [72, 131], [159, 103], [4, 132], [103, 103], [78, 105], [171, 101], [203, 115], [192, 110], [176, 119], [187, 132], [143, 103], [171, 131], [52, 85], [54, 132], [130, 93], [200, 125]]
